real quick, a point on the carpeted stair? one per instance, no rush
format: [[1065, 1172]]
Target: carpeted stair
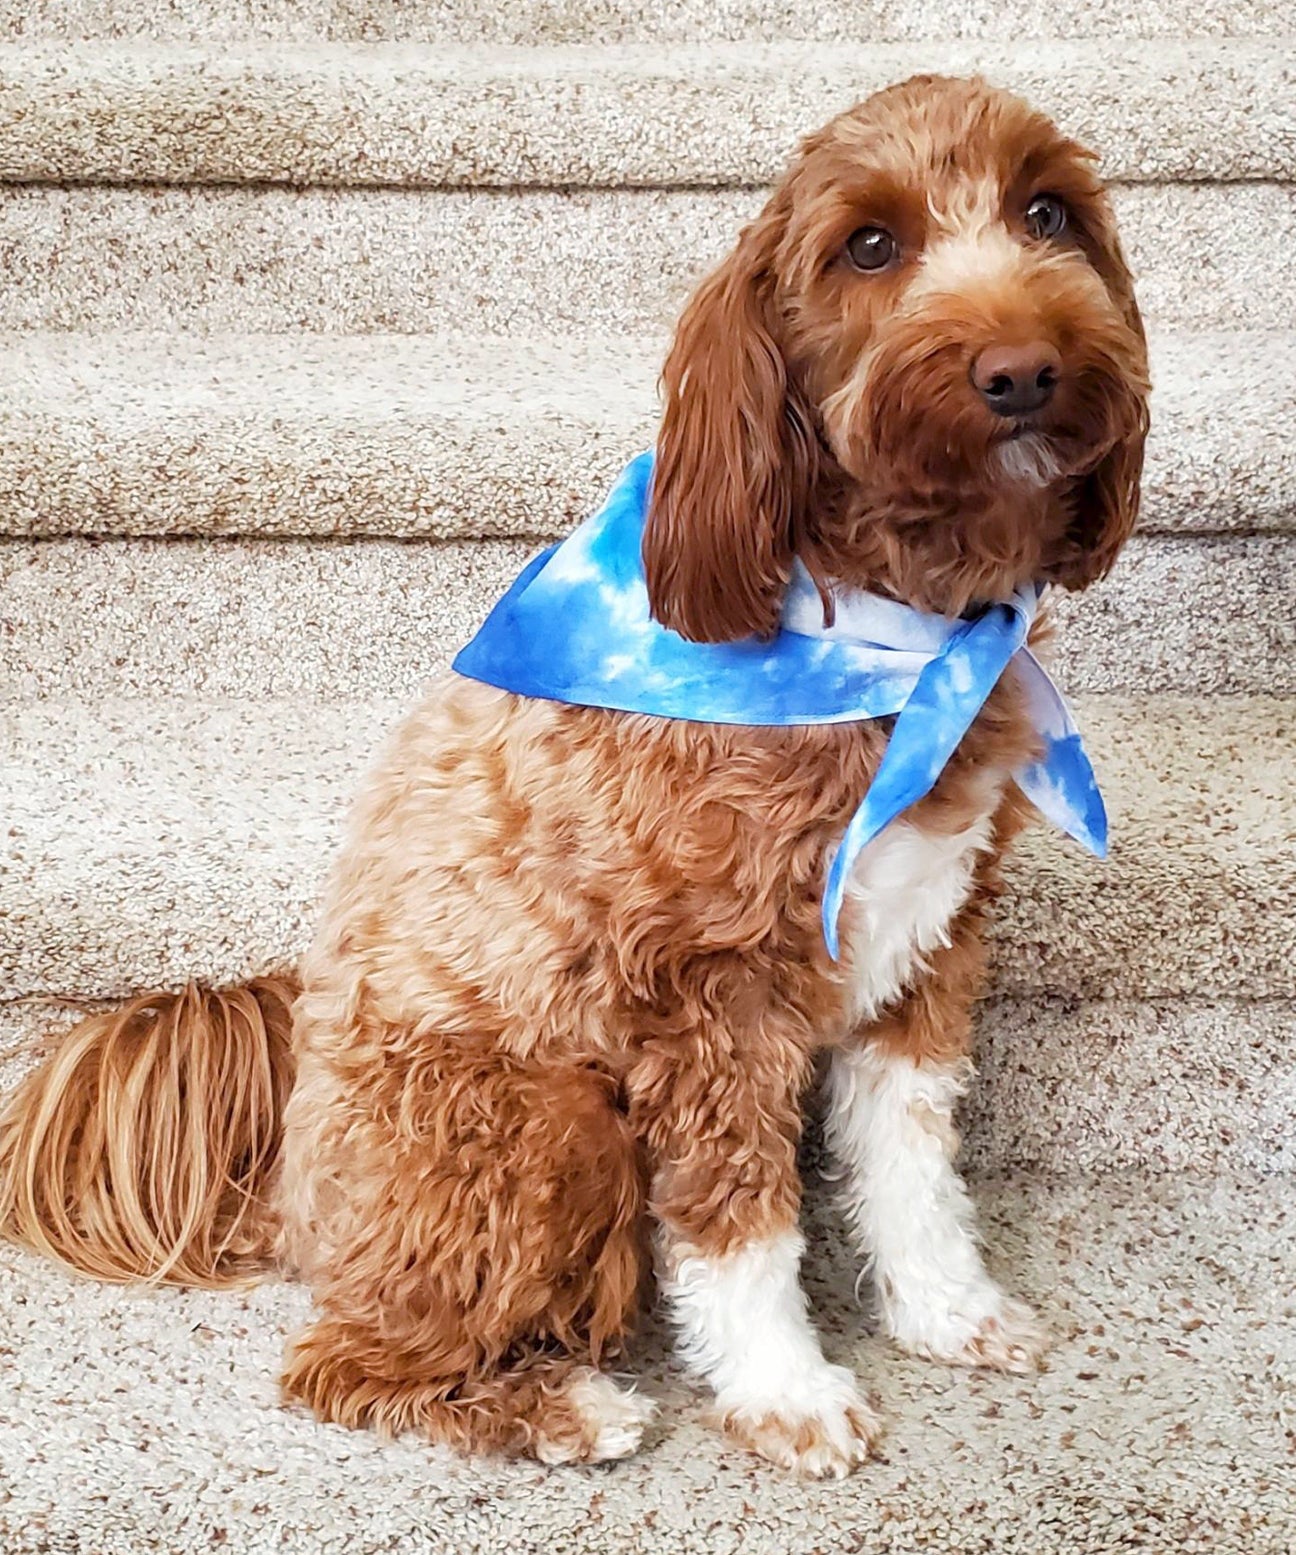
[[293, 375]]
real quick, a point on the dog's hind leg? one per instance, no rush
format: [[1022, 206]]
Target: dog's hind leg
[[482, 1254], [550, 1406]]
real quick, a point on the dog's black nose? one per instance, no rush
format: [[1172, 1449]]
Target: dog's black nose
[[1016, 380]]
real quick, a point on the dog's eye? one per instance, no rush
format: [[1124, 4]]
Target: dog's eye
[[1045, 216], [871, 248]]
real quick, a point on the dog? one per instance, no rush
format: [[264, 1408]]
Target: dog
[[570, 986]]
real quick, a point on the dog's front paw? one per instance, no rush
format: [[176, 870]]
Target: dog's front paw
[[987, 1329], [823, 1432]]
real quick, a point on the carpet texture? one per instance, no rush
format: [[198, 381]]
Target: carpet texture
[[150, 841], [614, 261], [1148, 1087], [276, 618], [465, 436], [607, 21], [643, 115], [148, 1421]]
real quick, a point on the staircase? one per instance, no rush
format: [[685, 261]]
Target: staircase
[[316, 317]]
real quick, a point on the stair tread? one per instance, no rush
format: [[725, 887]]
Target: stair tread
[[715, 114], [147, 841], [317, 618], [466, 436], [1160, 1424], [275, 260], [1190, 1082], [530, 22]]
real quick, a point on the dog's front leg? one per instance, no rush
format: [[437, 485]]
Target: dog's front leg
[[722, 1119], [890, 1125]]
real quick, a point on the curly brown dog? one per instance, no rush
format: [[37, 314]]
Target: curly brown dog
[[570, 983]]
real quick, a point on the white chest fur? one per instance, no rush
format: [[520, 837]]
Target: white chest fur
[[905, 890]]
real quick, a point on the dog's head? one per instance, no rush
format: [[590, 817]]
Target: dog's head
[[922, 369]]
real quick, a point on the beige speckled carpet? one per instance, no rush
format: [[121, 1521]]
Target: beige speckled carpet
[[202, 259], [645, 115], [317, 316], [458, 436], [149, 1421]]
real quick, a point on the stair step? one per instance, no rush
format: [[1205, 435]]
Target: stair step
[[318, 619], [519, 264], [540, 22], [643, 115], [148, 841], [1127, 1084], [452, 437], [1063, 1085], [1162, 1422]]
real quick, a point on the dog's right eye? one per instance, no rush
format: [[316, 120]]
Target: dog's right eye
[[871, 248], [1045, 216]]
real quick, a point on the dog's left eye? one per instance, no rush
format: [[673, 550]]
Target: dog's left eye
[[871, 248], [1045, 216]]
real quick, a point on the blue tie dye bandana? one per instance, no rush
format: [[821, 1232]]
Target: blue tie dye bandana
[[576, 627]]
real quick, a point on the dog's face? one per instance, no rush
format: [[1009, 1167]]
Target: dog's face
[[927, 346]]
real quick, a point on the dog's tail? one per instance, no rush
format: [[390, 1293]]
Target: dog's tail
[[144, 1148]]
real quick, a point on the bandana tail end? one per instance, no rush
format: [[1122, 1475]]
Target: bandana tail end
[[864, 826], [1064, 789], [1061, 784]]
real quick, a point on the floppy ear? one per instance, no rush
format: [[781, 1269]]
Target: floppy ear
[[737, 457], [1107, 499], [1107, 505]]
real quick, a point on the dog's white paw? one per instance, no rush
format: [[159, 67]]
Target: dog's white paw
[[602, 1422], [983, 1327], [824, 1432]]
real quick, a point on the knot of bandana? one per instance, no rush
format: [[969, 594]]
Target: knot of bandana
[[575, 627]]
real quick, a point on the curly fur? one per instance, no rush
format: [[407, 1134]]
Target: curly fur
[[570, 978]]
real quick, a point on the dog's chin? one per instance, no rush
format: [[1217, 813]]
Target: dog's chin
[[1028, 459]]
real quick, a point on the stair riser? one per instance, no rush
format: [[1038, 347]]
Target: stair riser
[[604, 21], [1095, 1086], [452, 437], [1119, 1085], [248, 619], [646, 117], [1207, 256]]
